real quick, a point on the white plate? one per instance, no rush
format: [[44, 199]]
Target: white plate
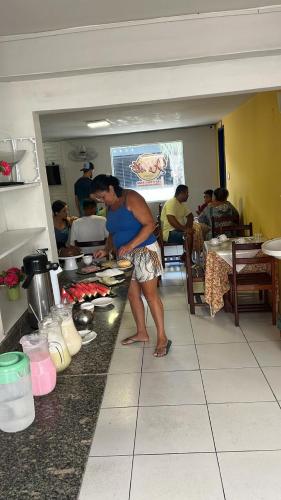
[[89, 337], [102, 301], [83, 333], [87, 305], [215, 244], [109, 273]]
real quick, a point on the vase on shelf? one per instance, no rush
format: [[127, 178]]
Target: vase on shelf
[[13, 293]]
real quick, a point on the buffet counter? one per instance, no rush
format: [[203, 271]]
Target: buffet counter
[[47, 460]]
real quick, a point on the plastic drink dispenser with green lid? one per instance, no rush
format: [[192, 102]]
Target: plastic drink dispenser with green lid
[[16, 399]]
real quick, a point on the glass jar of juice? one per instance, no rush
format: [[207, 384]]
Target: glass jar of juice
[[58, 349], [72, 338]]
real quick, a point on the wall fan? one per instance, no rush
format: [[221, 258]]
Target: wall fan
[[82, 153]]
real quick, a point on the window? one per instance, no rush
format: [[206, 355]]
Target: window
[[154, 170]]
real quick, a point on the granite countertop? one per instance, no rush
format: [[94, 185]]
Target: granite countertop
[[47, 460]]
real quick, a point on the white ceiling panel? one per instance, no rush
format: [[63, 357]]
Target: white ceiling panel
[[139, 118], [33, 16]]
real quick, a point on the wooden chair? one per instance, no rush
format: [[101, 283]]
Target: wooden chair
[[195, 280], [163, 244], [259, 281], [238, 229], [218, 224]]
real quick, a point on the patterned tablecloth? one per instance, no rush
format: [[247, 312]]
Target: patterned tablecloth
[[216, 278]]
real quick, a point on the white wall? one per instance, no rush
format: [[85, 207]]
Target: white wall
[[199, 145]]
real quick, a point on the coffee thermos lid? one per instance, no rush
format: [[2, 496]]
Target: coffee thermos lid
[[35, 263]]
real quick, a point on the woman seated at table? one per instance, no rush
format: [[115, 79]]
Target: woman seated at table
[[220, 207], [62, 223]]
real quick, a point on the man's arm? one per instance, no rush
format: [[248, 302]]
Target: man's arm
[[189, 220], [77, 204], [73, 234], [175, 223]]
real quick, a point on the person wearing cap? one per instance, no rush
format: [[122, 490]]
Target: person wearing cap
[[82, 187]]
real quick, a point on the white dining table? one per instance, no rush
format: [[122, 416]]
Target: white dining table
[[224, 250]]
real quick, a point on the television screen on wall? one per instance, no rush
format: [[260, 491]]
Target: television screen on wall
[[154, 170], [53, 174]]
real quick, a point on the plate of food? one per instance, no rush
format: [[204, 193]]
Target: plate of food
[[108, 264], [109, 273], [124, 264], [88, 269], [111, 280], [102, 302]]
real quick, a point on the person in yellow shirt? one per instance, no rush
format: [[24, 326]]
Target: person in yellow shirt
[[176, 217]]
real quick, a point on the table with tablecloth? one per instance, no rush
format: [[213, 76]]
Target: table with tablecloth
[[217, 268]]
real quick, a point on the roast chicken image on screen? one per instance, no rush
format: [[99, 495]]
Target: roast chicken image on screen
[[149, 167]]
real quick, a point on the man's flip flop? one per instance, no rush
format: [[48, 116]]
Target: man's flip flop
[[165, 350], [131, 340]]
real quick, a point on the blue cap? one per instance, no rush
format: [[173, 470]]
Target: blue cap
[[88, 165]]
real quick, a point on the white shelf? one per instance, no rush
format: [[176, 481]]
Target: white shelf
[[11, 311], [13, 240], [21, 186]]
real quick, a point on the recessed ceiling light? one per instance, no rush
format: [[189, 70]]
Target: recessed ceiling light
[[98, 123]]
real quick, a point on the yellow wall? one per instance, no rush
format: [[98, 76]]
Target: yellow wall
[[253, 161]]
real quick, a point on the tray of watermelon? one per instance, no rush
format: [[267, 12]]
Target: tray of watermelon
[[79, 292]]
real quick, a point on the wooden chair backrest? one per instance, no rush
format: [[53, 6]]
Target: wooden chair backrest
[[239, 229], [236, 247], [218, 221]]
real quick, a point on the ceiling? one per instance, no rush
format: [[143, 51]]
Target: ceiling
[[139, 118], [33, 16]]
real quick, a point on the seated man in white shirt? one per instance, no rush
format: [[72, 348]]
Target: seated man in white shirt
[[90, 227]]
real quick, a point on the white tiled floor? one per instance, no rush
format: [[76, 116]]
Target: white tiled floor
[[204, 423]]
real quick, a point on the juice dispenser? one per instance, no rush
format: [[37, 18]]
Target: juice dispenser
[[72, 338], [58, 349], [16, 400], [43, 371]]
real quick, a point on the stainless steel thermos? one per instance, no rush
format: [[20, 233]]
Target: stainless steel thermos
[[40, 295]]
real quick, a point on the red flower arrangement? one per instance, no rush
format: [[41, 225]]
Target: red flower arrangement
[[5, 168], [12, 277]]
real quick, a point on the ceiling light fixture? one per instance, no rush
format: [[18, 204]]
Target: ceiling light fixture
[[98, 124]]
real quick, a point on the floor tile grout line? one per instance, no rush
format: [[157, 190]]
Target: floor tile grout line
[[135, 436], [192, 369], [217, 403], [219, 452], [260, 366], [209, 417]]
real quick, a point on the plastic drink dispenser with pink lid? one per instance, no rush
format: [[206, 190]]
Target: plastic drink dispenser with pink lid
[[43, 371]]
